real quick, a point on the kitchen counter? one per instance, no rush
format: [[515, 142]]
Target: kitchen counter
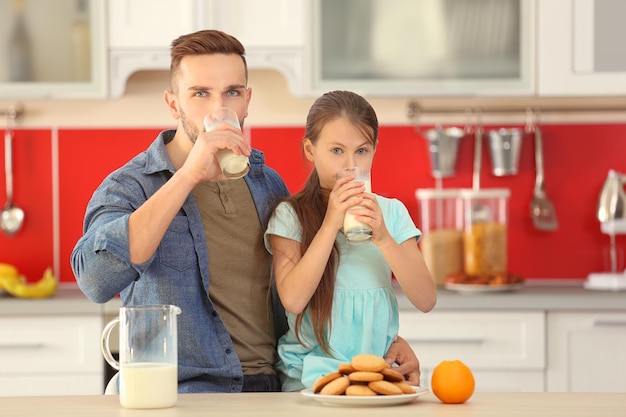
[[68, 299], [294, 404], [549, 295]]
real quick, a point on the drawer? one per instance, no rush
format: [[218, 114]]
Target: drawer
[[499, 381], [38, 345], [59, 384], [494, 340]]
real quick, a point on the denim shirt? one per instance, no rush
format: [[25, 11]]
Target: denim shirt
[[177, 273]]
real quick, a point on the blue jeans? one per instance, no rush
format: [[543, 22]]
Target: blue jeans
[[261, 383]]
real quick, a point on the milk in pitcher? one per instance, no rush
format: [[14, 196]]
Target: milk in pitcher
[[148, 385]]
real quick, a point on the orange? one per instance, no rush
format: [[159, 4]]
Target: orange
[[452, 382]]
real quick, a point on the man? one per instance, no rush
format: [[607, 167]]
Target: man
[[162, 227]]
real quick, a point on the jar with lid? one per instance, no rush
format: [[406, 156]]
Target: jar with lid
[[441, 223], [485, 231]]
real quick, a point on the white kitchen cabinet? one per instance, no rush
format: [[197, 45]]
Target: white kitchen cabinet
[[140, 34], [586, 352], [51, 355], [149, 24], [271, 24], [580, 51], [273, 32], [52, 50], [435, 47], [504, 349]]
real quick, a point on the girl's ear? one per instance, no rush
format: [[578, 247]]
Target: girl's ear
[[307, 146]]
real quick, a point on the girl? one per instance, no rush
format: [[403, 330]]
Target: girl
[[338, 297]]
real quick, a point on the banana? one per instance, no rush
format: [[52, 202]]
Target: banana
[[9, 273], [7, 269], [45, 287]]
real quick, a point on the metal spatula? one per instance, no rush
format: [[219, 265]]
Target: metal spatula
[[480, 213], [541, 208]]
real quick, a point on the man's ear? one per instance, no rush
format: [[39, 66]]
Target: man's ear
[[307, 146], [172, 103]]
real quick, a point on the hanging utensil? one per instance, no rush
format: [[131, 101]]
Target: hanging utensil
[[443, 145], [480, 213], [12, 217], [541, 208]]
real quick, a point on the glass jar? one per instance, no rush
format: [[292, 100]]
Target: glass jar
[[441, 223], [485, 231]]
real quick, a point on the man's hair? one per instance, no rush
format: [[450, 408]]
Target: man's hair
[[204, 42]]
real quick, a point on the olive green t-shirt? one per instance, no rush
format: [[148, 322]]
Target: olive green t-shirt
[[239, 271]]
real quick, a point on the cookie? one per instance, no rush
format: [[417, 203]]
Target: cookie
[[368, 362], [365, 376], [406, 388], [323, 380], [336, 386], [345, 368], [392, 375], [385, 388], [360, 390]]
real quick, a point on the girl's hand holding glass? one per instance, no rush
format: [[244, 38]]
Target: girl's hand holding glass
[[355, 231]]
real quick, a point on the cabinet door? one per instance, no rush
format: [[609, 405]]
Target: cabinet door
[[51, 355], [44, 385], [139, 40], [259, 24], [435, 47], [586, 352], [272, 31], [580, 47], [141, 24], [45, 345], [52, 50], [504, 350]]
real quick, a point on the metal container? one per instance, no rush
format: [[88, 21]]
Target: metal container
[[504, 149], [443, 145]]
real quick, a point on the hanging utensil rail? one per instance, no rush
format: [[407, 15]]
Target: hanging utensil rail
[[415, 110], [12, 113]]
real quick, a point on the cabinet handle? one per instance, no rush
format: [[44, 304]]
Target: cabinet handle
[[22, 346], [609, 323], [472, 340]]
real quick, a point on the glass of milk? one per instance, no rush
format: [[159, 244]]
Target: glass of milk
[[148, 364], [233, 166], [355, 231]]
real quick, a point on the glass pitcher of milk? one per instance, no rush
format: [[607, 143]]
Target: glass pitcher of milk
[[148, 364]]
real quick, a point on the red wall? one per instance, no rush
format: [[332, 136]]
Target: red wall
[[55, 174]]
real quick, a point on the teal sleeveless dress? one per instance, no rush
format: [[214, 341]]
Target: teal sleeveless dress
[[365, 308]]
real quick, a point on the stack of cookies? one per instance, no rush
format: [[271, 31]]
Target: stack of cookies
[[365, 375]]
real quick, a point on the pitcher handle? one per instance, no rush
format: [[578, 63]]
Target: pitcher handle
[[106, 350]]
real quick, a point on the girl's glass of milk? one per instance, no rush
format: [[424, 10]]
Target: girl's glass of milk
[[148, 364], [233, 166], [355, 231]]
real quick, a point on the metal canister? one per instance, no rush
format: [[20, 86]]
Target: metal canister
[[504, 149], [443, 146]]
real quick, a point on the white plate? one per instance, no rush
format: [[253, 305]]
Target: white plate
[[378, 400], [475, 288]]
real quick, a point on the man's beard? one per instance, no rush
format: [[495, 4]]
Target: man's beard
[[190, 129]]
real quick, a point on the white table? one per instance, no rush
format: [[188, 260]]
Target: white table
[[296, 405]]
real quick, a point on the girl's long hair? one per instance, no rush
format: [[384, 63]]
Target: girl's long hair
[[311, 203]]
